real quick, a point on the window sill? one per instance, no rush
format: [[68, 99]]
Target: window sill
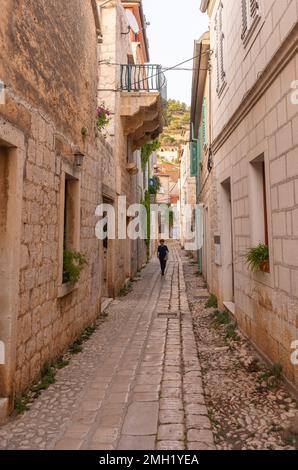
[[66, 289], [264, 278]]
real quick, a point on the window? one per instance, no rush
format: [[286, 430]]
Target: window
[[193, 158], [250, 18], [258, 195], [70, 213], [204, 122], [69, 231], [219, 54]]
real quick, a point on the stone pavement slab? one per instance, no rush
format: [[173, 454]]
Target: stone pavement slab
[[136, 385], [141, 419]]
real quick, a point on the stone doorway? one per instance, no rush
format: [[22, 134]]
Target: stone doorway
[[107, 265], [11, 183], [11, 178], [228, 251]]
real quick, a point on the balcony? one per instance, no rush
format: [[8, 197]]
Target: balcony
[[143, 96]]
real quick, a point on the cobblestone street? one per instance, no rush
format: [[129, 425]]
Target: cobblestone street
[[248, 403], [136, 385]]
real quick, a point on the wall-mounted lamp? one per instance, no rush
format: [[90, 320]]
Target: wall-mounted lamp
[[79, 158]]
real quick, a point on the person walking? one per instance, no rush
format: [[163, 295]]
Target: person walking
[[162, 254]]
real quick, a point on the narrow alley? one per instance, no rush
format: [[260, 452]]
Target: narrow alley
[[136, 385], [148, 231]]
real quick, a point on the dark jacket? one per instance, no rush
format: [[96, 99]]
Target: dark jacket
[[162, 252]]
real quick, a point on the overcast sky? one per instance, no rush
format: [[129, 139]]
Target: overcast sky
[[175, 24]]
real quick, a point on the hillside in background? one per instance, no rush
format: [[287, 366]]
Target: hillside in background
[[178, 118]]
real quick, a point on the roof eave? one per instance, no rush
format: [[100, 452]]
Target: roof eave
[[204, 5], [201, 54]]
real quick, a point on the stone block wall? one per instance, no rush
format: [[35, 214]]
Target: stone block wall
[[46, 324], [51, 94], [243, 65], [114, 49], [266, 304]]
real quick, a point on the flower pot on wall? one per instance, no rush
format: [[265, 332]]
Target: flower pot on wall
[[265, 266]]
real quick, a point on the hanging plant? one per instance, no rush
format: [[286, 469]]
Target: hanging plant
[[73, 263], [154, 185], [147, 151], [257, 258], [102, 117]]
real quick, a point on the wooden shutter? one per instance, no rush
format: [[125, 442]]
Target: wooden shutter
[[216, 28], [219, 49], [244, 18], [254, 7], [204, 121]]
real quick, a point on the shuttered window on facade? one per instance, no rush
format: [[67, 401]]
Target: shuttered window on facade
[[250, 18], [204, 122], [193, 159], [219, 54]]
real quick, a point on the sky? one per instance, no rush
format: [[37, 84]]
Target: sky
[[174, 25]]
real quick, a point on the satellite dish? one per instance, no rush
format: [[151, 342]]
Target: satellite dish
[[132, 21]]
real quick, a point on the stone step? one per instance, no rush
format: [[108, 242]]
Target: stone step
[[3, 409], [230, 306], [105, 302]]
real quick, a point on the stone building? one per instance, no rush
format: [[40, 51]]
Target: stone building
[[254, 154], [56, 167], [50, 183], [187, 188], [201, 161], [133, 93]]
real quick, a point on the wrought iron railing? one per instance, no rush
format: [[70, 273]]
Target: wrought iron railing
[[146, 78]]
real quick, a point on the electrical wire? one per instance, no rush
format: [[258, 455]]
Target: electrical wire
[[164, 70]]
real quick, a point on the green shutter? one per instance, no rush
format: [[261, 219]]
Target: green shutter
[[199, 148], [193, 159]]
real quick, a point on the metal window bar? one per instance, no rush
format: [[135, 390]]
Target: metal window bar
[[138, 78]]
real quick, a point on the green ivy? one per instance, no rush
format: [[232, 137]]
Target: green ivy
[[147, 151], [146, 204], [156, 187], [73, 263]]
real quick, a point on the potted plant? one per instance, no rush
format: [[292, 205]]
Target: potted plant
[[102, 117], [73, 263], [257, 258]]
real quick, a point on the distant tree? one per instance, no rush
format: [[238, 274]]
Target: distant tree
[[178, 118]]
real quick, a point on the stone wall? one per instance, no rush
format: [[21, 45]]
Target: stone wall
[[266, 303], [50, 47], [51, 95], [126, 255], [243, 65]]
